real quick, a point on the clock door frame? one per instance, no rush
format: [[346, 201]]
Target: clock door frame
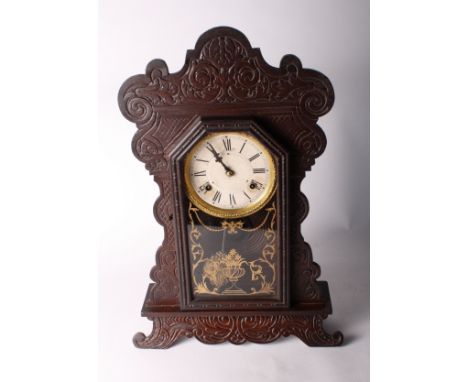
[[201, 127]]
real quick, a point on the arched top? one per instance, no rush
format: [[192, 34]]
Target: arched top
[[224, 70], [221, 32]]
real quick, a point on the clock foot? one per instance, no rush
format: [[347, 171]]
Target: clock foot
[[163, 336], [237, 328]]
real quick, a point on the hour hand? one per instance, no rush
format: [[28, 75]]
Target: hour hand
[[213, 151], [218, 158]]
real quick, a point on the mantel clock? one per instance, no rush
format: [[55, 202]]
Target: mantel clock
[[228, 140]]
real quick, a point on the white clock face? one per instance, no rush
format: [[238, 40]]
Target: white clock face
[[229, 174]]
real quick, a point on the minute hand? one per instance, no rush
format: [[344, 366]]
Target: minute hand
[[218, 158]]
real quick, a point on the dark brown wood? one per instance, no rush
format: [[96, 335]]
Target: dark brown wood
[[226, 84]]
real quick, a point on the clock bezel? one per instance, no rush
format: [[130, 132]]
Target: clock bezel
[[230, 213]]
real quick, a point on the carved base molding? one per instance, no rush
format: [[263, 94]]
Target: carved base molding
[[237, 327]]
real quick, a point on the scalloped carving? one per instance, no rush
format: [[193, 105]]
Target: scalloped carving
[[237, 329], [226, 70]]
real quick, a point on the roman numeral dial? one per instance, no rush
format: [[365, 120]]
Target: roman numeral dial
[[229, 174]]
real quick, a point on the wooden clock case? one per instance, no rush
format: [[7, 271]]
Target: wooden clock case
[[226, 84]]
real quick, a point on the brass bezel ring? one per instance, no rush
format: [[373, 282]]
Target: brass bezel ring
[[236, 212]]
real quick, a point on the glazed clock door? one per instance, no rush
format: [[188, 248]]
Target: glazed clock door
[[232, 235]]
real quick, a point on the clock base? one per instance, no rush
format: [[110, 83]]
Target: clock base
[[214, 327]]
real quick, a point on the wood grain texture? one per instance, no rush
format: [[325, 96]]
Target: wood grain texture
[[224, 78], [237, 328]]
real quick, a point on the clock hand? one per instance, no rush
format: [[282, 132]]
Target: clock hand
[[213, 151], [229, 172]]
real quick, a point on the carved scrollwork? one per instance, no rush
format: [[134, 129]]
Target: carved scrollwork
[[135, 108], [165, 272], [314, 101], [224, 50], [226, 70], [139, 108], [237, 329], [311, 143], [165, 275], [203, 82], [305, 273]]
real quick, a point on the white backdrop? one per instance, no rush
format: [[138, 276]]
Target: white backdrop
[[331, 36]]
